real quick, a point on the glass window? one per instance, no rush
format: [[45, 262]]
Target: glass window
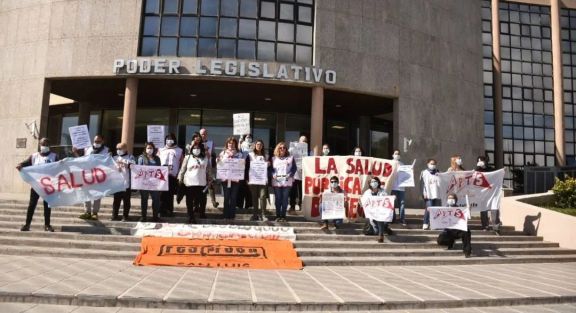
[[286, 32], [266, 51], [228, 27], [209, 7], [189, 26], [304, 14], [170, 7], [268, 9], [208, 26], [246, 49], [187, 47], [149, 46], [168, 46], [285, 52], [188, 123], [190, 7], [266, 30], [286, 11], [247, 29], [227, 48], [169, 26], [303, 54], [229, 8], [67, 122], [249, 8], [207, 47], [151, 26], [304, 34], [152, 7]]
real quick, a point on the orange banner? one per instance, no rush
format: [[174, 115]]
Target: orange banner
[[229, 253]]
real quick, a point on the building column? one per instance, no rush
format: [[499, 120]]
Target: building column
[[497, 87], [317, 120], [129, 115], [558, 88], [84, 113], [364, 140]]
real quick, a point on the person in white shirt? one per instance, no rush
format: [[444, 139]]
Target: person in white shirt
[[399, 192], [334, 188], [230, 187], [194, 175], [170, 155], [93, 207], [430, 190], [210, 155], [283, 170], [123, 161], [376, 190], [448, 236], [296, 191], [37, 158], [259, 191], [244, 199]]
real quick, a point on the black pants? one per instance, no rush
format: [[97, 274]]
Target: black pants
[[167, 197], [448, 236], [194, 198], [244, 199], [485, 220], [32, 207], [122, 196], [296, 194]]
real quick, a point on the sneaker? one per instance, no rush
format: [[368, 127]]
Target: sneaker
[[404, 224], [48, 228], [424, 226], [25, 228], [215, 204], [94, 216], [85, 216], [325, 226], [380, 239]]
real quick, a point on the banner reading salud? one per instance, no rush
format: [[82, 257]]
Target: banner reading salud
[[484, 189]]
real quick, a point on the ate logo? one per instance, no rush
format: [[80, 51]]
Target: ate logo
[[146, 174], [477, 179], [445, 213]]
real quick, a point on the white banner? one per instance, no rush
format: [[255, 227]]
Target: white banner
[[241, 123], [379, 208], [449, 217], [258, 173], [75, 180], [80, 137], [231, 169], [298, 150], [406, 175], [213, 231], [143, 177], [333, 206], [484, 190], [155, 134]]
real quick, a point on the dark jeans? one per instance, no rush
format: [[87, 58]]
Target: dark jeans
[[485, 220], [428, 203], [155, 202], [281, 195], [32, 207], [230, 197], [259, 193], [296, 194], [167, 197], [448, 236], [244, 199], [382, 228], [399, 203], [194, 198], [122, 196]]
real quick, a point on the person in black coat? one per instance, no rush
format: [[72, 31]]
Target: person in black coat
[[448, 236]]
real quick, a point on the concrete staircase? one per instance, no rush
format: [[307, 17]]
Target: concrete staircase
[[346, 246]]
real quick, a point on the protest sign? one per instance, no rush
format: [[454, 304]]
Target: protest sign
[[74, 180], [483, 189], [80, 137], [354, 173], [379, 208], [333, 206], [241, 123], [231, 169], [298, 150], [196, 231], [449, 217], [258, 173], [153, 178], [406, 175], [155, 134]]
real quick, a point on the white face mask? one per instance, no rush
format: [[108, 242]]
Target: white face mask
[[249, 140], [44, 149], [480, 164], [149, 151], [374, 184], [451, 202], [120, 152], [334, 185], [97, 145], [169, 142], [459, 161], [358, 153], [431, 167], [196, 152], [396, 157], [325, 151]]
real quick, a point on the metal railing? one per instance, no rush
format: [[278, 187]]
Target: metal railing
[[539, 179]]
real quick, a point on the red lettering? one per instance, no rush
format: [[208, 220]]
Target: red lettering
[[359, 169], [350, 169], [377, 168], [308, 184], [99, 175], [73, 182], [47, 183], [62, 181], [315, 211], [86, 181], [357, 188], [331, 166], [317, 168], [352, 204], [387, 169], [480, 180]]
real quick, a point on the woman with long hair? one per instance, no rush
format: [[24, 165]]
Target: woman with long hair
[[283, 170], [259, 192], [230, 187]]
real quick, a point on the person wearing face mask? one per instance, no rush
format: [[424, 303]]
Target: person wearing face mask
[[283, 170], [230, 187], [482, 166], [429, 187], [455, 164], [399, 192], [334, 188], [246, 145], [123, 161], [37, 158], [170, 155], [93, 207], [195, 176], [149, 158], [244, 200], [376, 190], [296, 191], [210, 155], [259, 192], [448, 236], [325, 150], [358, 151]]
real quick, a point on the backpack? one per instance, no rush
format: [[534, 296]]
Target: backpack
[[368, 229]]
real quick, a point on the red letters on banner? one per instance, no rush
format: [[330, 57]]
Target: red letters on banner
[[476, 179], [70, 181]]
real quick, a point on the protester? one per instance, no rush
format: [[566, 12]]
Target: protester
[[296, 190], [42, 157], [482, 166], [170, 155], [209, 146], [399, 192], [230, 187], [325, 150], [149, 158], [246, 144], [259, 192], [430, 190], [448, 236], [283, 170], [455, 164], [377, 190], [358, 151], [195, 177], [244, 199], [334, 188], [123, 161], [93, 207]]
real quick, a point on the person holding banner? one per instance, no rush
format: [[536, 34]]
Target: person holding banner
[[455, 164], [376, 189], [399, 192], [244, 199], [334, 188], [325, 149], [482, 166], [358, 151], [258, 165], [123, 161], [149, 158], [449, 235], [283, 170], [209, 146], [170, 155], [93, 207], [37, 158], [430, 190], [230, 187], [296, 191], [195, 177]]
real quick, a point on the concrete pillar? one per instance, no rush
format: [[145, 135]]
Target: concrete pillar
[[317, 120], [44, 114], [84, 113], [364, 125], [497, 87], [129, 115], [558, 88]]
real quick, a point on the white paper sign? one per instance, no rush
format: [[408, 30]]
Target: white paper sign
[[405, 176], [449, 217], [378, 208], [80, 137], [241, 123], [483, 189], [231, 169], [258, 173], [333, 206], [155, 134], [153, 178], [298, 150]]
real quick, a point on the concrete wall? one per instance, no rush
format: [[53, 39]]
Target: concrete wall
[[522, 211]]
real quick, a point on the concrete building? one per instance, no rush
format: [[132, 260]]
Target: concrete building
[[370, 73]]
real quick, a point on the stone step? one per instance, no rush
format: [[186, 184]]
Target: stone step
[[409, 238], [67, 252], [424, 245], [439, 251], [69, 243], [37, 233]]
